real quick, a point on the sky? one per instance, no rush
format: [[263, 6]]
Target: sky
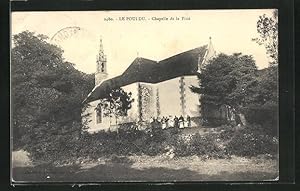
[[152, 35]]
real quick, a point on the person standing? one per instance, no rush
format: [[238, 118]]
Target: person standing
[[176, 125], [181, 122], [163, 122], [167, 122], [188, 118]]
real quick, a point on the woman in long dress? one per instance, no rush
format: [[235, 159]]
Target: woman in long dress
[[163, 123], [181, 122]]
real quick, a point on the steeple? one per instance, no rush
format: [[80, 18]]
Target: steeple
[[101, 59], [209, 54], [210, 51], [101, 69]]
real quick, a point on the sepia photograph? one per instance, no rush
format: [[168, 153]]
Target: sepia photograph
[[144, 96]]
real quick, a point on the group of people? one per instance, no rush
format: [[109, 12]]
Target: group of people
[[167, 122]]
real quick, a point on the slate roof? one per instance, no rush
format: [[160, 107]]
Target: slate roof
[[150, 71]]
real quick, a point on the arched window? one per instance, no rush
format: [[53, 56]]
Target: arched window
[[102, 67], [98, 116]]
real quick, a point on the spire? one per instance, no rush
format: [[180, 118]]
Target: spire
[[101, 71], [101, 58], [209, 54], [101, 45], [210, 50]]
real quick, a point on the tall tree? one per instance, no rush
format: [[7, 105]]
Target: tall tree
[[46, 95], [262, 100], [267, 28], [265, 93], [225, 81]]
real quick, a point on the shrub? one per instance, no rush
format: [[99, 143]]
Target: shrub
[[200, 145], [248, 141], [263, 116], [252, 141]]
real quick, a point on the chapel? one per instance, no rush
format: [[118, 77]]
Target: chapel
[[159, 88]]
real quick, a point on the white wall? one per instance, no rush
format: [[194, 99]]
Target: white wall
[[192, 99], [169, 98]]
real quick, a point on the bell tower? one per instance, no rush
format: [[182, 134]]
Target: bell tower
[[101, 69]]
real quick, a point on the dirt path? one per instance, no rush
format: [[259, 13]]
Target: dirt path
[[210, 166], [158, 169]]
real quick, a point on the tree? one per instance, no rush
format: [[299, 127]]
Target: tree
[[117, 103], [262, 100], [267, 27], [225, 81], [47, 95], [265, 93], [234, 81]]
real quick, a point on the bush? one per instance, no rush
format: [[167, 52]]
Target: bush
[[54, 148], [265, 116], [247, 141], [251, 141], [200, 145], [124, 142]]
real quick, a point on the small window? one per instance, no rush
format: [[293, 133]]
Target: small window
[[98, 116], [102, 67]]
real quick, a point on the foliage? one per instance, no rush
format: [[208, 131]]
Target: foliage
[[234, 80], [263, 106], [117, 103], [267, 27], [46, 95], [225, 81], [223, 143], [201, 145], [262, 103], [251, 141]]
